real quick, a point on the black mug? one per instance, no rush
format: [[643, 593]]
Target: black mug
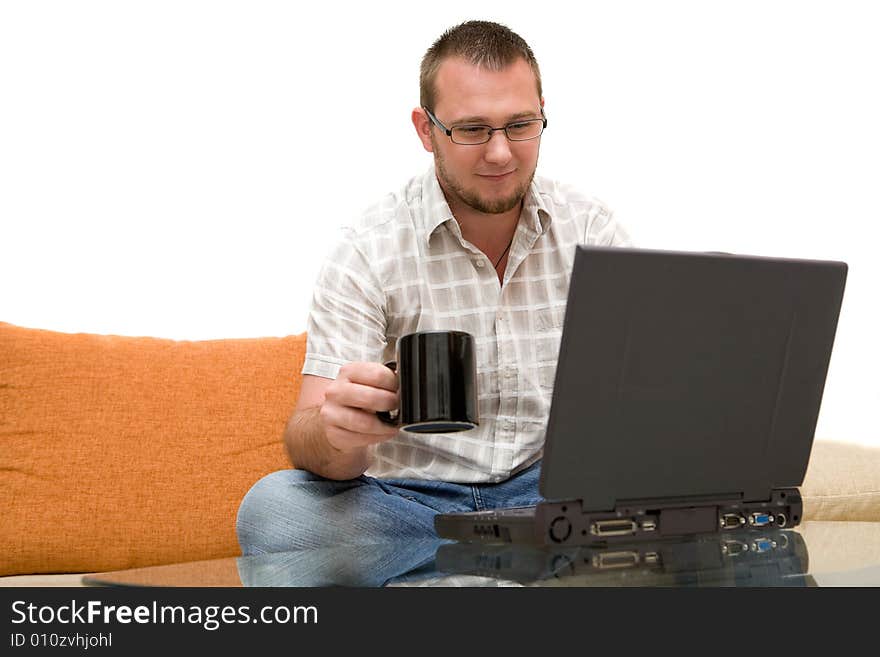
[[438, 382]]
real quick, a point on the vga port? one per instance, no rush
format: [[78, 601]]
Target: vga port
[[760, 519], [760, 545]]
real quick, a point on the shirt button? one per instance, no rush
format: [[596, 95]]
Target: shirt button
[[479, 263]]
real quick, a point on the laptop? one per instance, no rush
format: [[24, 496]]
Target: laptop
[[685, 402]]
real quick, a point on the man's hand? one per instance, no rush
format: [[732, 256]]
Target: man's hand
[[348, 414]]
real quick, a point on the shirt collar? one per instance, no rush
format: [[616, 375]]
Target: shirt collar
[[437, 212], [434, 206], [535, 209]]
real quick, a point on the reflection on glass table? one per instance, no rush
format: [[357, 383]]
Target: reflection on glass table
[[816, 553], [772, 558]]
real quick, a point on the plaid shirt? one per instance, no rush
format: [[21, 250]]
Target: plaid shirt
[[404, 267]]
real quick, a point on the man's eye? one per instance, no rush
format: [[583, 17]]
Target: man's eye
[[523, 128], [471, 129]]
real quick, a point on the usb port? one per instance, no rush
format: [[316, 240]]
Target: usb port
[[613, 528], [649, 525]]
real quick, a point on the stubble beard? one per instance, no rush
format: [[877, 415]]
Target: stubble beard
[[472, 199]]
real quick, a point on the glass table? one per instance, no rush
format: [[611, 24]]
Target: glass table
[[812, 554]]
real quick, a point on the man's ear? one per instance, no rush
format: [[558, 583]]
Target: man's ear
[[422, 124]]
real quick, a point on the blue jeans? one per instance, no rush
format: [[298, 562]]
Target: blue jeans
[[295, 509]]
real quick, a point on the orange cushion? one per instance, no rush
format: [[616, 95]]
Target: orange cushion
[[119, 452]]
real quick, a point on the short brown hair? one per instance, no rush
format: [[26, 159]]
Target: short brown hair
[[481, 43]]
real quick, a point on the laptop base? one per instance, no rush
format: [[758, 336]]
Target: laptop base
[[565, 523]]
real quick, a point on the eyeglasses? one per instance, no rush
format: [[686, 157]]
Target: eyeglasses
[[475, 134]]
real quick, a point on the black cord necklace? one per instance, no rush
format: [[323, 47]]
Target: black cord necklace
[[501, 257]]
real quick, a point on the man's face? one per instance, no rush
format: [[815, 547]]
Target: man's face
[[493, 177]]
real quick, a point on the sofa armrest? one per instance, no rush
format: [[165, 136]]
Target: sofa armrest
[[842, 482]]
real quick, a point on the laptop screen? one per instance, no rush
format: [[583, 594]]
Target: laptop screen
[[683, 374]]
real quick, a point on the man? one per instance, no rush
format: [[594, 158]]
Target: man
[[477, 244]]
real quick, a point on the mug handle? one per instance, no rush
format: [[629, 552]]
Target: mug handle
[[390, 417]]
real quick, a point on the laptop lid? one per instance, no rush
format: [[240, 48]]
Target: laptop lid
[[688, 375]]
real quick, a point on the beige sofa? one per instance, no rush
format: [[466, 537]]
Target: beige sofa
[[123, 452]]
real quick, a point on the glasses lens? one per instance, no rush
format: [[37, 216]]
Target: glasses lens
[[470, 134], [524, 130]]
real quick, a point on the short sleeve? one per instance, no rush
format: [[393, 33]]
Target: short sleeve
[[604, 230], [347, 317]]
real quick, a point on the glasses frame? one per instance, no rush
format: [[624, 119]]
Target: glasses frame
[[492, 130]]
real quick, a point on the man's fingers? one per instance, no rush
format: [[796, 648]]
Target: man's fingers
[[356, 395], [357, 421], [347, 440], [351, 401], [374, 375]]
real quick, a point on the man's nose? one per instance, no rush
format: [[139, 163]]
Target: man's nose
[[498, 148]]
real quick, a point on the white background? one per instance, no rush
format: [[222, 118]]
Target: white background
[[178, 169]]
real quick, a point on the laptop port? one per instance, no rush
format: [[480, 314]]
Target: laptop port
[[731, 521], [649, 525], [608, 560], [733, 548], [781, 520], [760, 519], [613, 528], [760, 545]]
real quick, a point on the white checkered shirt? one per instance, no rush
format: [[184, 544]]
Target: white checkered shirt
[[404, 267]]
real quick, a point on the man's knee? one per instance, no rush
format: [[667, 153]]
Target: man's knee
[[294, 509], [271, 509]]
